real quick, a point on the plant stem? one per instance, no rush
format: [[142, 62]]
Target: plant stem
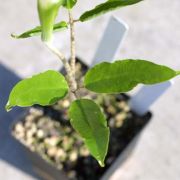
[[73, 51], [76, 20], [70, 68], [70, 75]]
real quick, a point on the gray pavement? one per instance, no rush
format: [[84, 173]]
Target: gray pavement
[[154, 35]]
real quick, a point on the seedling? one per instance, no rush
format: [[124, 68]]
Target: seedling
[[51, 86]]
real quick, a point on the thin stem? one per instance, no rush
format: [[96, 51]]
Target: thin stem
[[76, 20], [70, 76], [73, 51], [60, 55]]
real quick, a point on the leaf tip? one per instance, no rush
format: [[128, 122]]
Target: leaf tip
[[177, 73], [101, 163], [14, 36], [8, 107]]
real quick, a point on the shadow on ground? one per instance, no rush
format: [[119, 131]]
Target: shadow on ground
[[10, 152]]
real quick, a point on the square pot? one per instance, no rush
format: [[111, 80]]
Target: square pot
[[123, 137]]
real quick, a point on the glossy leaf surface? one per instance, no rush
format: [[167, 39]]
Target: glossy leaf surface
[[88, 120], [37, 30], [106, 7], [43, 89], [122, 76]]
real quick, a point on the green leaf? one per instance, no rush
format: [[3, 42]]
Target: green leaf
[[122, 76], [43, 89], [88, 120], [48, 10], [37, 30], [106, 7], [69, 4]]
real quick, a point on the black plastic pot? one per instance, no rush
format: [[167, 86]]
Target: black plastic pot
[[46, 171]]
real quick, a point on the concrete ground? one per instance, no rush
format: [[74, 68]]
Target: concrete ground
[[154, 35]]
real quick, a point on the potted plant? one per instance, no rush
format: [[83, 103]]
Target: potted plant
[[83, 96]]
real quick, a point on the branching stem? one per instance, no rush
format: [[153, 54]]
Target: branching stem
[[70, 75], [70, 68]]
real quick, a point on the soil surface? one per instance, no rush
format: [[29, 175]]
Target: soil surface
[[47, 131]]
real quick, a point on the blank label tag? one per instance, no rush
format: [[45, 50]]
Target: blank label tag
[[146, 96], [111, 41]]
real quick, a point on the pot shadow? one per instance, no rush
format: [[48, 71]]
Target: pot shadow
[[10, 151]]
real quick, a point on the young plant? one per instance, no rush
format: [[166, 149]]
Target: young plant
[[51, 86]]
